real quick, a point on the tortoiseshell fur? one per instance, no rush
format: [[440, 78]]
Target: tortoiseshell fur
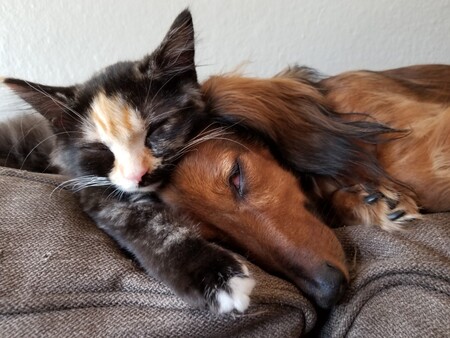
[[118, 136]]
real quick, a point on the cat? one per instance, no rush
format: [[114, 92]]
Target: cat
[[25, 146], [117, 136]]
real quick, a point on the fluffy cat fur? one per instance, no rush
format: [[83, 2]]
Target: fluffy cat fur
[[117, 137], [26, 143]]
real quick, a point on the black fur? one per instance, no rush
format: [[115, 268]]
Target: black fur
[[165, 244], [164, 81], [26, 143], [163, 87]]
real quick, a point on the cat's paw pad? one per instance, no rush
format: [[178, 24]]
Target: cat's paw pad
[[235, 295]]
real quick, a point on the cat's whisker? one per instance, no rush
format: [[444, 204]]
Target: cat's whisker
[[37, 145], [63, 185], [118, 193], [82, 187], [151, 118], [112, 193], [233, 141], [162, 87], [222, 131], [180, 51], [22, 138], [197, 142], [83, 182], [205, 135], [61, 104], [148, 90]]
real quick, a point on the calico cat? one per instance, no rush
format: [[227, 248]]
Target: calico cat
[[26, 143], [117, 136]]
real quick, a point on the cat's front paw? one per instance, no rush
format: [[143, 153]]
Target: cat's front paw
[[222, 281], [235, 293]]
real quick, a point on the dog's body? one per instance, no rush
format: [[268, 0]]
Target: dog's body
[[416, 99], [413, 157], [369, 148]]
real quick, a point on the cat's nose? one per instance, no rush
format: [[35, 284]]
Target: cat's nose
[[136, 175]]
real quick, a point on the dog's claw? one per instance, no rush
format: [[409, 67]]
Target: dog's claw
[[372, 198], [396, 215]]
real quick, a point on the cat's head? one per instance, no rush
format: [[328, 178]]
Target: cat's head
[[128, 121]]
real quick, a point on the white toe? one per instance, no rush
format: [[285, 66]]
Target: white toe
[[238, 298]]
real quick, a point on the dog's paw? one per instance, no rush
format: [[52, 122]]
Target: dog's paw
[[384, 207], [235, 294], [391, 210]]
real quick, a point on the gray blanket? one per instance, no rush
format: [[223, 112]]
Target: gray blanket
[[61, 276]]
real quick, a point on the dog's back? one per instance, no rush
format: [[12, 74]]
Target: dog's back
[[416, 99]]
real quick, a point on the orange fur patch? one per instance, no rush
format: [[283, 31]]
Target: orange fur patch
[[120, 127]]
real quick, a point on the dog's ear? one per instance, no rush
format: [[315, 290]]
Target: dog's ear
[[293, 114], [51, 102]]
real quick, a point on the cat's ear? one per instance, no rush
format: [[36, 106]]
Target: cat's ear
[[51, 102], [175, 55]]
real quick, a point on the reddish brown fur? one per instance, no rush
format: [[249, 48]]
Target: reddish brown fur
[[272, 222], [414, 98]]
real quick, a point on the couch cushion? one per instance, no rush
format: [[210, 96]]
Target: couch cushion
[[61, 276], [400, 282]]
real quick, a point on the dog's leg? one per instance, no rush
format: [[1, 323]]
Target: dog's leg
[[385, 206]]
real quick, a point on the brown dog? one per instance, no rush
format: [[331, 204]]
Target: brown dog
[[361, 148]]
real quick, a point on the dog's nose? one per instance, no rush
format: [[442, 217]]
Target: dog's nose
[[331, 283]]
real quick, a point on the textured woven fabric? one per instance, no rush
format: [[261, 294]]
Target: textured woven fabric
[[400, 285], [61, 276]]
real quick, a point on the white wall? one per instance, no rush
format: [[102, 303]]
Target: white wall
[[61, 42]]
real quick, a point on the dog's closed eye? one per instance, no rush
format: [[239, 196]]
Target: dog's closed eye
[[237, 179]]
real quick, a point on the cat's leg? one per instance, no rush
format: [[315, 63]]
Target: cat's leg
[[385, 206], [168, 247]]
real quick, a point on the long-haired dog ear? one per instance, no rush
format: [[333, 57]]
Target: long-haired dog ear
[[291, 112]]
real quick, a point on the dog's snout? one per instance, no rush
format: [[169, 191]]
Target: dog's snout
[[331, 283]]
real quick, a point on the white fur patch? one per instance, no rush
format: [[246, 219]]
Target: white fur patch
[[239, 296], [122, 129]]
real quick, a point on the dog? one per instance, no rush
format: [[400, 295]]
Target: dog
[[302, 152]]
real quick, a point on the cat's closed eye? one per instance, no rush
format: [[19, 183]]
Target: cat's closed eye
[[95, 146]]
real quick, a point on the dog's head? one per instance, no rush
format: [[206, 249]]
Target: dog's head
[[242, 193], [242, 196]]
